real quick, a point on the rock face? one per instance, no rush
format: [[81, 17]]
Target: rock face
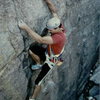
[[82, 22]]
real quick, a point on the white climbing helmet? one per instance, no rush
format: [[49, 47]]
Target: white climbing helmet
[[53, 23]]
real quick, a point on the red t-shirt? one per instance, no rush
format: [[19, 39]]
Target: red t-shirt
[[59, 40]]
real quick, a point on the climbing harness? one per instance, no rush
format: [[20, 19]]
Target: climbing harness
[[53, 59]]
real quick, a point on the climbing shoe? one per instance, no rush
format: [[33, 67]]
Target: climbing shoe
[[35, 67], [31, 99], [91, 98]]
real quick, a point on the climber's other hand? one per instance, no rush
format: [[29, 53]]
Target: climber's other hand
[[22, 25]]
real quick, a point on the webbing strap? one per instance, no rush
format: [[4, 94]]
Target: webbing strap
[[50, 63]]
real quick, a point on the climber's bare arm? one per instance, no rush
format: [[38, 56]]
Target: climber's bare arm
[[51, 7], [34, 35]]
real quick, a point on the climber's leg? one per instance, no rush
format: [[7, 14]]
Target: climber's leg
[[35, 57], [36, 91], [43, 73]]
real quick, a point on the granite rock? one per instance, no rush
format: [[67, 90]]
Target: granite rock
[[82, 23]]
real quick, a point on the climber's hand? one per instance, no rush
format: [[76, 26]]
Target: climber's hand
[[22, 25]]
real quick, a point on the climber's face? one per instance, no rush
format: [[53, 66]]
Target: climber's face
[[55, 30]]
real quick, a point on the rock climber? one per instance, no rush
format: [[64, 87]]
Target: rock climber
[[55, 43]]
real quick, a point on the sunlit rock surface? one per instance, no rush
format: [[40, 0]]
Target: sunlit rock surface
[[82, 23]]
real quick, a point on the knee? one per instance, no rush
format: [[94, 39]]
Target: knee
[[30, 52]]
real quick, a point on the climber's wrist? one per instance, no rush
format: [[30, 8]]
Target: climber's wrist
[[47, 0], [51, 6]]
